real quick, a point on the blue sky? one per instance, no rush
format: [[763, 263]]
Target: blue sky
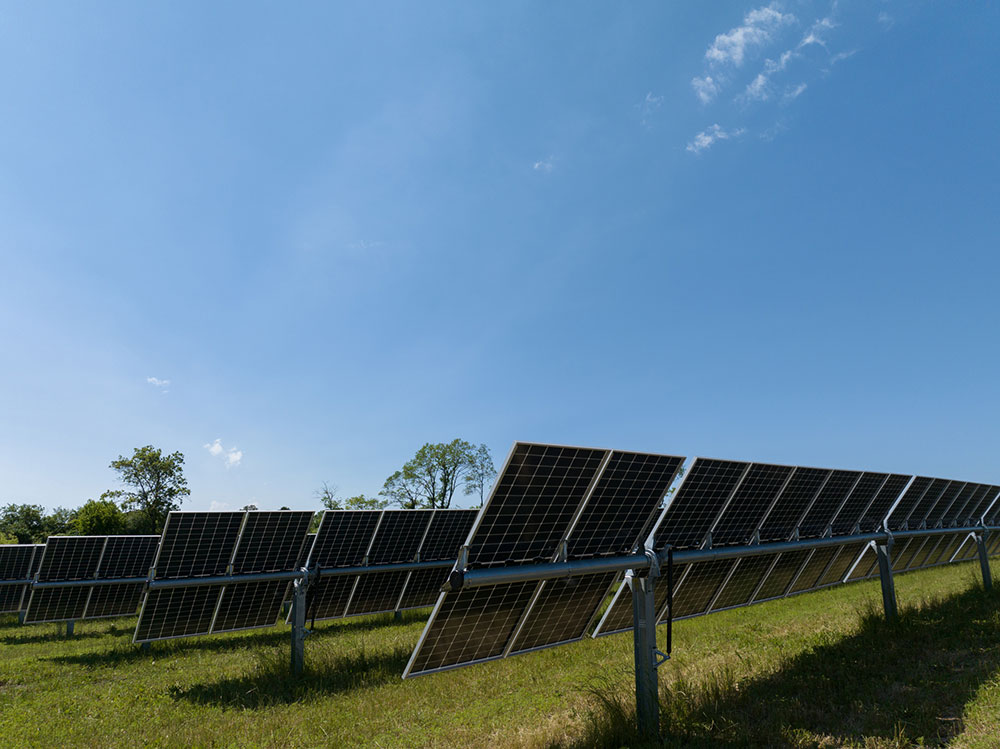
[[295, 243]]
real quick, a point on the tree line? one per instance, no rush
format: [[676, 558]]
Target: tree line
[[153, 484]]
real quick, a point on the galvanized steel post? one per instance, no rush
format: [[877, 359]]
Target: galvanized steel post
[[885, 575], [984, 561], [647, 697], [299, 625]]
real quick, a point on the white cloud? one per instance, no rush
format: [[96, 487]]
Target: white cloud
[[157, 382], [543, 165], [795, 92], [815, 33], [706, 88], [842, 56], [757, 29], [886, 20], [218, 506], [706, 138], [757, 88], [648, 105], [231, 456]]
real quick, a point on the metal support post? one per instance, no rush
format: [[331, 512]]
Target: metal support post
[[647, 657], [20, 616], [299, 626], [885, 575], [984, 561], [69, 628], [146, 646], [397, 615]]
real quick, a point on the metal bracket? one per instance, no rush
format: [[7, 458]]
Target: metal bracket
[[661, 658], [562, 552], [755, 538]]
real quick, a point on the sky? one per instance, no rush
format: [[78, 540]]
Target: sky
[[296, 242]]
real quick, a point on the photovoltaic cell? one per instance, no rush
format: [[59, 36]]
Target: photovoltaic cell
[[796, 498], [532, 503], [927, 501], [782, 574], [16, 563], [751, 500], [562, 611], [448, 530], [698, 587], [838, 568], [618, 512], [877, 511], [824, 508], [399, 535], [706, 489], [857, 502], [475, 625], [950, 514], [945, 501], [813, 570], [914, 493], [975, 514], [743, 581], [269, 542]]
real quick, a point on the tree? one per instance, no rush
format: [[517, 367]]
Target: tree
[[59, 523], [155, 485], [249, 508], [430, 477], [23, 522], [327, 494], [5, 539], [481, 473], [99, 517]]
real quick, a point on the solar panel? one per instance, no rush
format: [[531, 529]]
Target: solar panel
[[779, 580], [950, 514], [193, 544], [831, 497], [907, 504], [743, 581], [812, 571], [342, 540], [756, 494], [705, 492], [944, 501], [849, 515], [532, 503], [269, 542], [124, 556], [598, 502], [795, 500], [874, 517], [975, 514], [17, 562], [73, 558], [396, 540], [446, 533]]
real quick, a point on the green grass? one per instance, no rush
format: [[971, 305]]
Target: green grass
[[818, 670]]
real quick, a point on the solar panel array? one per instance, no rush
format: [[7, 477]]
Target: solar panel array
[[549, 503], [17, 562], [724, 503], [370, 538], [213, 544], [81, 558]]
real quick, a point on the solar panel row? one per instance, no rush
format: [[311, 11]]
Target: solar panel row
[[364, 538], [540, 511], [549, 503], [66, 559], [18, 563]]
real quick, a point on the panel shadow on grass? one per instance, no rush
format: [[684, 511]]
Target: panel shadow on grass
[[126, 652], [896, 684], [272, 684]]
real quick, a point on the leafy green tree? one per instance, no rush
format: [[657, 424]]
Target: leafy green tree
[[155, 485], [249, 508], [99, 517], [481, 473], [59, 522], [327, 495], [5, 539], [23, 522], [430, 478]]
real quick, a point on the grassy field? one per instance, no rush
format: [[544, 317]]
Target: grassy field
[[817, 670]]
